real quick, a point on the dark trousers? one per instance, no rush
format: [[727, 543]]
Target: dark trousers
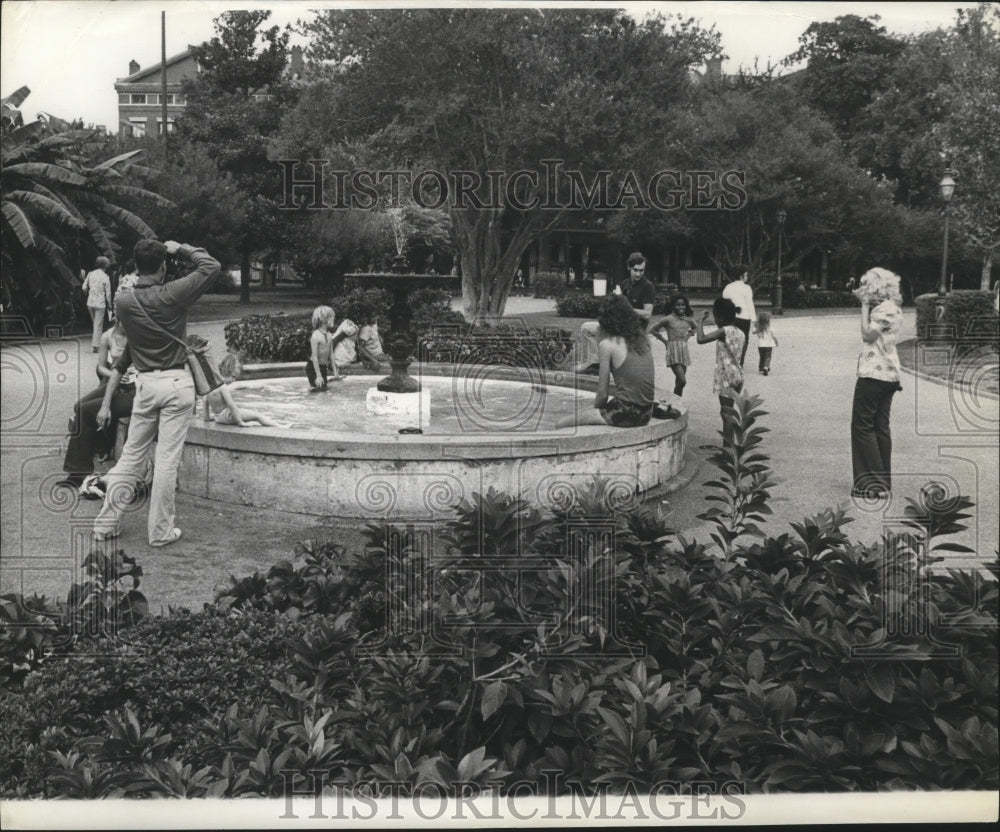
[[871, 441], [765, 358], [743, 325], [85, 439]]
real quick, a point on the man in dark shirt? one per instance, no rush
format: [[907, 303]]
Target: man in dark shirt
[[154, 313], [640, 293]]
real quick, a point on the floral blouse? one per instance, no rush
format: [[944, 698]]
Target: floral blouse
[[728, 373], [878, 359]]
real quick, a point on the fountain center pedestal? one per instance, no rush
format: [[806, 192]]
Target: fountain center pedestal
[[399, 395]]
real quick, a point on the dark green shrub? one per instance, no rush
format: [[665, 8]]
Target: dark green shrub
[[279, 338], [174, 672], [817, 299], [593, 642], [35, 628], [577, 304], [501, 345], [969, 317], [549, 284]]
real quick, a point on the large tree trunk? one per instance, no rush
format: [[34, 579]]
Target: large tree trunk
[[245, 275], [984, 279], [488, 263]]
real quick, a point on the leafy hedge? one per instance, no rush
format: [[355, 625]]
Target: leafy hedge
[[798, 663], [549, 284], [577, 304], [502, 345], [279, 338], [969, 317], [818, 299]]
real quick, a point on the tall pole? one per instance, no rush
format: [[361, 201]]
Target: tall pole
[[943, 286], [940, 330], [777, 310], [163, 75]]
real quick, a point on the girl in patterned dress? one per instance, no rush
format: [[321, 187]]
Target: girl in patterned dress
[[728, 380]]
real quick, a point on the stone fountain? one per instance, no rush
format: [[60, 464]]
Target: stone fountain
[[377, 451], [399, 394]]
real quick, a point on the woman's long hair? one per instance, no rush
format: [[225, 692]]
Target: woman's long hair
[[618, 319]]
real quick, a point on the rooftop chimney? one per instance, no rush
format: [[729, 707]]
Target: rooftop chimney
[[133, 67]]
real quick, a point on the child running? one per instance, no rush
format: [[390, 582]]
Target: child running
[[680, 326], [730, 339], [220, 401], [766, 341]]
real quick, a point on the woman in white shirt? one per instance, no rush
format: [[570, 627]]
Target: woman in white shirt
[[878, 382]]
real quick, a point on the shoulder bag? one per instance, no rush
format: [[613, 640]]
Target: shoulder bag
[[203, 370]]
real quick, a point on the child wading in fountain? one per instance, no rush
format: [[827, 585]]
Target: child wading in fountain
[[220, 401], [729, 347], [680, 326], [766, 341], [321, 345]]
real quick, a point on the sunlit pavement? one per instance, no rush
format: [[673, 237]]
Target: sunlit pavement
[[939, 435]]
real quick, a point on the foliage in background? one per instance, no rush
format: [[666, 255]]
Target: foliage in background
[[969, 317], [817, 299], [63, 196], [234, 107]]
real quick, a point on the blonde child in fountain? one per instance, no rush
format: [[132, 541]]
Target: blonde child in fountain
[[220, 405]]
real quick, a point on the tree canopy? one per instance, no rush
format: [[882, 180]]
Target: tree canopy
[[500, 90]]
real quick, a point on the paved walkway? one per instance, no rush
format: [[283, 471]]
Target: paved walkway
[[938, 435]]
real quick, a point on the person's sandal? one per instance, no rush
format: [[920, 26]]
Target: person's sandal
[[661, 411]]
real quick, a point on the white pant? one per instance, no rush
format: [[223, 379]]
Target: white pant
[[97, 318], [161, 412]]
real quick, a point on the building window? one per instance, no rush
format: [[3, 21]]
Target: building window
[[159, 126], [124, 98], [137, 126], [139, 98]]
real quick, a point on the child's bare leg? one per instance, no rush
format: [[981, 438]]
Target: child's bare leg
[[255, 416], [336, 373], [680, 378]]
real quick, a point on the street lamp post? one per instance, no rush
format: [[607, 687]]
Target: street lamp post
[[947, 191], [777, 310]]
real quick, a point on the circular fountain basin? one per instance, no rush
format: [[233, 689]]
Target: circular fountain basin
[[488, 428]]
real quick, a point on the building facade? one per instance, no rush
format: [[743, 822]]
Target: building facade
[[140, 108]]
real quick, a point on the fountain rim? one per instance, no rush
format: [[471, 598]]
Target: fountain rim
[[496, 445]]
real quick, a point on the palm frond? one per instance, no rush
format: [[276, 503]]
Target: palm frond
[[15, 99], [138, 193], [110, 163], [101, 235], [57, 259], [14, 144], [20, 224], [53, 209], [129, 219], [62, 199], [55, 172]]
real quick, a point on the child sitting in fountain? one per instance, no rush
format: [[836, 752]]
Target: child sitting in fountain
[[220, 401], [345, 348], [369, 343]]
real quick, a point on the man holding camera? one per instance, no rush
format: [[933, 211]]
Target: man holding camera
[[640, 293], [154, 314]]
